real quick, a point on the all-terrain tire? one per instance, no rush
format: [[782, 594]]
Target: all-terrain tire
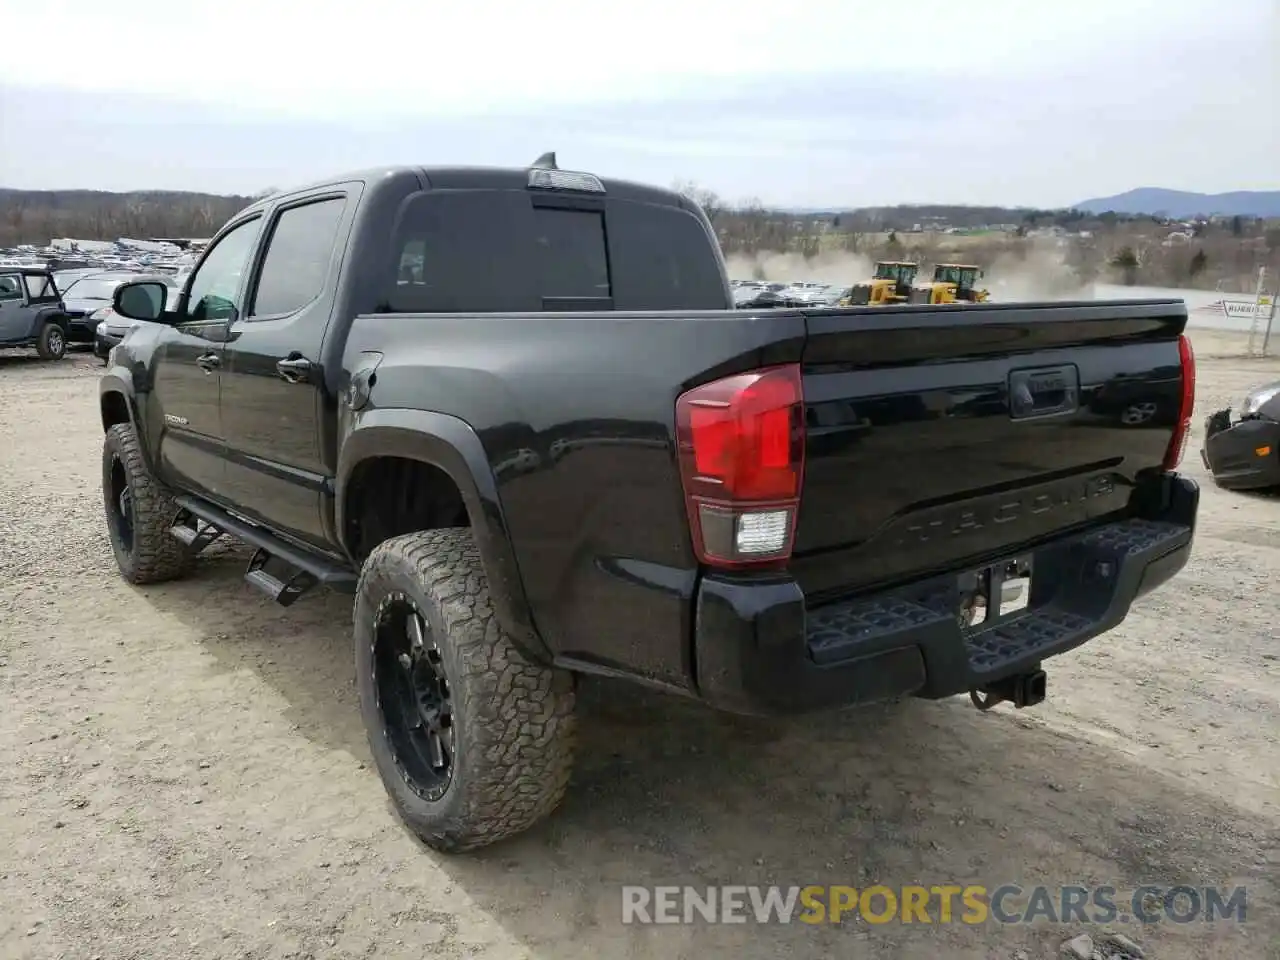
[[51, 344], [513, 720], [150, 553]]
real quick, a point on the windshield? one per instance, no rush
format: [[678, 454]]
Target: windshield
[[104, 288], [902, 273], [91, 288]]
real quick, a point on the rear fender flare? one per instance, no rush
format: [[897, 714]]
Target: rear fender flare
[[51, 315], [449, 444], [39, 316]]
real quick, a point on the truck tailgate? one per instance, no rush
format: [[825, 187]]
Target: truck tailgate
[[938, 438]]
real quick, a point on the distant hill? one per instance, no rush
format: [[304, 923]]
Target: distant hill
[[1182, 203]]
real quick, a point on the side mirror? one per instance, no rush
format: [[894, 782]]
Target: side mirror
[[143, 300]]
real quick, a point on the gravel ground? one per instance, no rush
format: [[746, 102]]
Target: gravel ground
[[183, 772]]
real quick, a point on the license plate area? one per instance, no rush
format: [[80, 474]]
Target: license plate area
[[996, 593]]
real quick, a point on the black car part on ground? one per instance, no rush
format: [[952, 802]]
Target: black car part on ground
[[1245, 455]]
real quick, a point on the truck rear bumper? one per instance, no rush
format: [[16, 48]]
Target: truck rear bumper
[[759, 650]]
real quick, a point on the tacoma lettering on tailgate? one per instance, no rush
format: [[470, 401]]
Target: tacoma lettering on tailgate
[[999, 509]]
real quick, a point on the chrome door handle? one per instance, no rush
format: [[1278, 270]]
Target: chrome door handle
[[294, 369]]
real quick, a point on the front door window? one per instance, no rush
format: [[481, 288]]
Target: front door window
[[10, 287], [215, 289]]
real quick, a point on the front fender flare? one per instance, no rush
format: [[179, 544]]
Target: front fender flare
[[449, 444], [118, 382]]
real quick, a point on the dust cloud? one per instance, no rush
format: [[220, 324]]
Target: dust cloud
[[1041, 274]]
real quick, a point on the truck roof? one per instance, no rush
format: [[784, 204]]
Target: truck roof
[[479, 178]]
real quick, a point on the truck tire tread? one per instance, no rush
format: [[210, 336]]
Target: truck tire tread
[[515, 718], [157, 555]]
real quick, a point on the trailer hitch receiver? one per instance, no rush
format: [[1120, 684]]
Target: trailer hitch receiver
[[1022, 690]]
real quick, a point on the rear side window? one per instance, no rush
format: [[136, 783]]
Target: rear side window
[[465, 251], [41, 288], [299, 253], [495, 251], [664, 259]]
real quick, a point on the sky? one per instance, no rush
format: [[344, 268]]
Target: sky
[[809, 103]]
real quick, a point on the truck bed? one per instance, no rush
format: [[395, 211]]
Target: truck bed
[[916, 459]]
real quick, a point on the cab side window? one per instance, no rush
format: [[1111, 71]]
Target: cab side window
[[10, 287], [215, 289]]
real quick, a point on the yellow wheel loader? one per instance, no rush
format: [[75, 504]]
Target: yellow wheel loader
[[892, 283], [953, 283]]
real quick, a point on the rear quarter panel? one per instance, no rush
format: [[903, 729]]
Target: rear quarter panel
[[576, 415]]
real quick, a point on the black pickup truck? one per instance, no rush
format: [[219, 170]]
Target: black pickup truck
[[514, 412]]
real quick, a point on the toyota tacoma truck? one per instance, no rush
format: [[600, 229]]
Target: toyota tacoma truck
[[514, 413]]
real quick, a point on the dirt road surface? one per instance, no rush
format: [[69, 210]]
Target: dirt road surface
[[183, 772]]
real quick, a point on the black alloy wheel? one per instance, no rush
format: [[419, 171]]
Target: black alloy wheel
[[413, 697], [120, 500]]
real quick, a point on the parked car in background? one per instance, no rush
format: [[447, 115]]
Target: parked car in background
[[813, 294], [31, 313], [65, 278], [1244, 454], [113, 327], [87, 299], [770, 299]]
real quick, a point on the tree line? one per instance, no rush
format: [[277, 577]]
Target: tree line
[[39, 216]]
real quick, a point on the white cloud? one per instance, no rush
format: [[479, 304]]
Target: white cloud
[[813, 102], [335, 58]]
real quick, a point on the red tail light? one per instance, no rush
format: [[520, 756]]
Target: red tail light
[[741, 449], [1178, 444]]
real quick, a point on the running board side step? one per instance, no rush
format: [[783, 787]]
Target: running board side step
[[279, 569], [195, 533]]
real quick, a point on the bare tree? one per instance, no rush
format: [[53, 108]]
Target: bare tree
[[708, 200]]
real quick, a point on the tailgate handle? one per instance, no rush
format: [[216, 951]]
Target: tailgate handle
[[1044, 391]]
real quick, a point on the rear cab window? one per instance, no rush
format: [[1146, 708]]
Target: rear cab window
[[572, 256], [517, 251]]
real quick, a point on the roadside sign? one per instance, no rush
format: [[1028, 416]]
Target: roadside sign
[[1248, 309]]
